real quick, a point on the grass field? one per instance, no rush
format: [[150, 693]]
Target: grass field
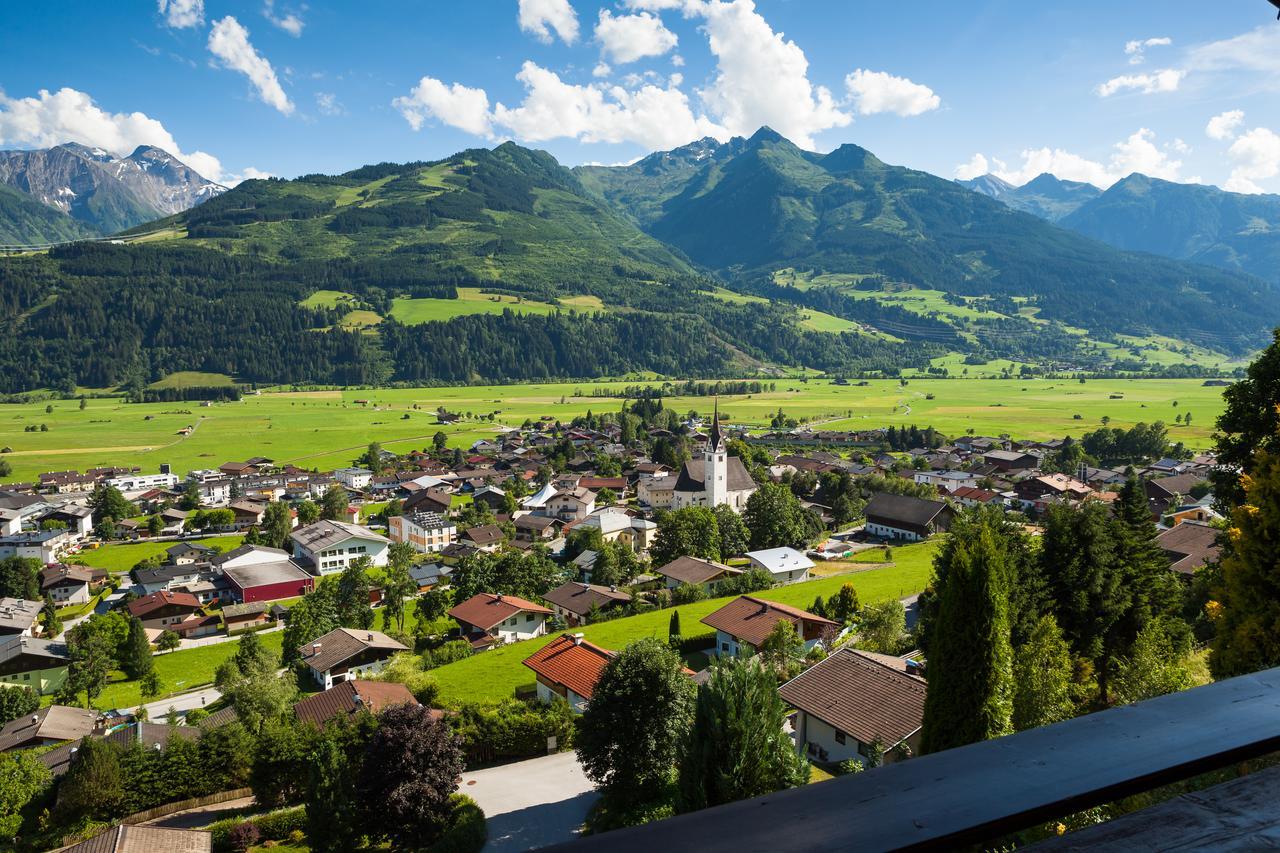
[[123, 557], [495, 675], [193, 379], [472, 301], [324, 429]]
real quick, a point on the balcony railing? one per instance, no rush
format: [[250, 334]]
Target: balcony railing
[[987, 790]]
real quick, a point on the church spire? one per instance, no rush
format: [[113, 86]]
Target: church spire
[[716, 441]]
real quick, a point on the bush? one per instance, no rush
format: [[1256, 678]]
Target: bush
[[450, 652], [243, 836], [688, 593], [467, 831], [512, 729], [697, 643], [280, 825]]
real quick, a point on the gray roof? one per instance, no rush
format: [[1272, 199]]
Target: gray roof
[[18, 614], [261, 574], [342, 644], [894, 510], [146, 839], [325, 534], [578, 598], [692, 476], [253, 608], [56, 722], [16, 645]]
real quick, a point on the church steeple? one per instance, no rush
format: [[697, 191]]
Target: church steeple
[[715, 464], [716, 440]]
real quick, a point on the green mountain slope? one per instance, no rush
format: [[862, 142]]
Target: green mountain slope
[[25, 221], [1049, 197], [1187, 221], [854, 226]]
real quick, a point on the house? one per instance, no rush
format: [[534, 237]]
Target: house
[[1011, 460], [572, 504], [947, 481], [349, 698], [743, 624], [657, 492], [574, 601], [429, 500], [787, 565], [19, 616], [145, 839], [257, 573], [50, 725], [248, 513], [1167, 492], [344, 654], [486, 619], [891, 516], [195, 578], [612, 524], [427, 532], [356, 479], [78, 519], [429, 575], [487, 538], [66, 584], [198, 625], [717, 478], [185, 553], [1059, 486], [35, 663], [1189, 546], [42, 545], [242, 617], [327, 547], [568, 667], [534, 528], [856, 702], [641, 536], [490, 496], [164, 609], [696, 571], [971, 496]]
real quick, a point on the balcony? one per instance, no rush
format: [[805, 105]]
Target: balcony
[[985, 791]]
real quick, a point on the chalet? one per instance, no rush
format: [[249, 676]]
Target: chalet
[[326, 547], [890, 516], [1011, 460], [164, 609], [257, 573], [67, 482], [195, 578], [486, 619], [243, 617], [697, 571], [534, 528], [35, 663], [429, 575], [18, 616], [574, 601], [42, 545], [48, 726], [348, 698], [185, 553], [743, 624], [855, 702], [1050, 486], [947, 481], [78, 519], [490, 496], [1167, 492], [1190, 546], [487, 538], [970, 496], [786, 565], [248, 513], [568, 668], [344, 654], [427, 532], [66, 584], [570, 504]]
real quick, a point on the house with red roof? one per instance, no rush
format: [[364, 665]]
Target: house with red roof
[[487, 619], [568, 667], [743, 624], [164, 609]]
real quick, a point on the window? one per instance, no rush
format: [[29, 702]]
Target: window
[[840, 739], [529, 617], [724, 647], [862, 749]]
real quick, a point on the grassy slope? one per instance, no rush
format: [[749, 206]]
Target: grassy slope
[[323, 429], [123, 557], [496, 674], [180, 671]]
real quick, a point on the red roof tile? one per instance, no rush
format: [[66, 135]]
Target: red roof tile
[[140, 607], [349, 697], [575, 664], [751, 619], [486, 610]]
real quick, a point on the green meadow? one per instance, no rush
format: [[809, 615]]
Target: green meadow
[[323, 429]]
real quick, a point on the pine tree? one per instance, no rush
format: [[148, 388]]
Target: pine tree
[[135, 656], [333, 818], [673, 630], [1155, 589], [970, 659]]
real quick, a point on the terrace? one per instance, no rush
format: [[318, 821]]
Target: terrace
[[983, 792]]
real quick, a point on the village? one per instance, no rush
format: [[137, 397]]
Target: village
[[528, 538]]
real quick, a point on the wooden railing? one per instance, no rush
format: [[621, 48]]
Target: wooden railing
[[987, 790]]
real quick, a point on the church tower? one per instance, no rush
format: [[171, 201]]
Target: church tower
[[715, 464]]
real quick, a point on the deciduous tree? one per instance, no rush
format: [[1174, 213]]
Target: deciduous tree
[[1042, 678]]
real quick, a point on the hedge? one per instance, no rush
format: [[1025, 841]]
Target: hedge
[[273, 826], [697, 643], [467, 831]]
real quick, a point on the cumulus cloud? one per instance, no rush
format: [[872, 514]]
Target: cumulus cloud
[[1166, 80], [1138, 153], [602, 69], [328, 104], [1255, 156], [1135, 50], [977, 166], [457, 106], [229, 42], [69, 115], [878, 92], [541, 18], [290, 22], [627, 38], [1223, 126], [181, 14]]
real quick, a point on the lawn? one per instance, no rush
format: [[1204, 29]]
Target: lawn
[[328, 428], [495, 675], [472, 301], [193, 379], [123, 557], [180, 671]]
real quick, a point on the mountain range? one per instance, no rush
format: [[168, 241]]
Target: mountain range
[[713, 259], [98, 191]]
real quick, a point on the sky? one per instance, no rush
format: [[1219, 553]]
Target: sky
[[1088, 90]]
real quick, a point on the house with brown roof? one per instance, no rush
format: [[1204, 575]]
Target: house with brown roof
[[350, 698], [697, 571], [855, 702], [164, 609], [743, 624], [487, 538], [487, 618], [574, 600], [902, 517], [66, 584], [50, 725], [345, 654], [568, 668], [1189, 546], [145, 839]]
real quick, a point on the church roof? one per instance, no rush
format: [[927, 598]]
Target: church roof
[[693, 478], [715, 441]]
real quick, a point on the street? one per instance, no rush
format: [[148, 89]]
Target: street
[[532, 803]]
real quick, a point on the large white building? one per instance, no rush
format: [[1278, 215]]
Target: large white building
[[330, 546], [717, 478], [427, 532]]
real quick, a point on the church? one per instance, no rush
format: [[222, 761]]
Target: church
[[717, 478]]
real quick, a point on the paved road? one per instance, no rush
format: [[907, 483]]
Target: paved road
[[185, 702], [532, 803], [912, 604], [202, 816]]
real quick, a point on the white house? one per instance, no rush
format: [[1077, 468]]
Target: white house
[[42, 545], [948, 480], [568, 668], [427, 532], [345, 654], [486, 619], [570, 504], [144, 482], [330, 546], [354, 478], [658, 492], [66, 584], [787, 565]]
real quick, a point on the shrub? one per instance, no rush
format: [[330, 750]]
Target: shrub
[[243, 836], [687, 593], [467, 831], [697, 643], [274, 826], [513, 729], [454, 650]]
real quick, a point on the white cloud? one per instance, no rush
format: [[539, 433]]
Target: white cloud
[[602, 69], [328, 104], [1223, 126], [229, 41], [457, 106], [248, 174], [290, 22], [1166, 80], [541, 17], [655, 5], [1135, 49], [977, 166], [1256, 50], [68, 115], [181, 14], [627, 38], [761, 78], [1255, 156], [879, 92], [677, 60], [1137, 153]]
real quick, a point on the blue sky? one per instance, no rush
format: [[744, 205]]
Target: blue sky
[[250, 87]]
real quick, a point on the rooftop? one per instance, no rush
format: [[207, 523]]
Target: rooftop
[[751, 619], [860, 695], [486, 610], [570, 661], [350, 697]]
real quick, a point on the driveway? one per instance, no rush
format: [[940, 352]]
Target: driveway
[[532, 803]]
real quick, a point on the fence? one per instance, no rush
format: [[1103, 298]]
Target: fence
[[183, 805]]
